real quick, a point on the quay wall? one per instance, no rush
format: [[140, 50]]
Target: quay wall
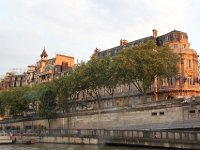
[[164, 138], [118, 117]]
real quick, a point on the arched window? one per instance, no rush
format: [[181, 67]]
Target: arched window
[[48, 67]]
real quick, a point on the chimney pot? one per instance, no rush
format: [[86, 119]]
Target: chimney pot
[[123, 42], [155, 32]]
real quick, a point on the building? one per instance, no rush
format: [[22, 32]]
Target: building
[[45, 70], [18, 80], [186, 84], [12, 79], [48, 69]]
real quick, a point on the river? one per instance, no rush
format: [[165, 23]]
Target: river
[[68, 147]]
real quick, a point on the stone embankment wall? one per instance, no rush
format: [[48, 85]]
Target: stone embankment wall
[[120, 117], [163, 138]]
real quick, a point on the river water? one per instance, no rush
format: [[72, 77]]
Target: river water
[[68, 147]]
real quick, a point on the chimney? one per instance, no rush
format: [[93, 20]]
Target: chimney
[[123, 42], [97, 50], [155, 32]]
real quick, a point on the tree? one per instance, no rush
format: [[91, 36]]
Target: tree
[[4, 96], [142, 64], [96, 76], [47, 104], [30, 99], [16, 102], [109, 78], [62, 93]]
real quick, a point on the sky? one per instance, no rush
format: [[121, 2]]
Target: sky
[[77, 27]]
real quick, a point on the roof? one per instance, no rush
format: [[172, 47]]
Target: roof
[[174, 35], [44, 53], [170, 36], [116, 49]]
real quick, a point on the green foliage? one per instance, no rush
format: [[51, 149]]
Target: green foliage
[[47, 105], [4, 97], [109, 75], [141, 64], [94, 75]]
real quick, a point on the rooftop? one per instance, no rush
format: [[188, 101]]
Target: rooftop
[[171, 36]]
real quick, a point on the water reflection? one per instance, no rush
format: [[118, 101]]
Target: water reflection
[[67, 147]]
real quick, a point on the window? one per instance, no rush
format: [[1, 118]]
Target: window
[[154, 113], [184, 45], [162, 113], [189, 63], [190, 80], [56, 69], [174, 35], [164, 82], [192, 111], [171, 81], [175, 45], [47, 68]]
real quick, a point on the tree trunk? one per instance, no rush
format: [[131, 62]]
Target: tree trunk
[[144, 97], [49, 122]]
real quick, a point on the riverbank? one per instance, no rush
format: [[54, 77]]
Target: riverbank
[[164, 138], [157, 115]]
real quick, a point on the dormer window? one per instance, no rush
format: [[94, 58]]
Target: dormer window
[[175, 36]]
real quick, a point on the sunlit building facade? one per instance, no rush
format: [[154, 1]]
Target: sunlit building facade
[[185, 84], [48, 69], [45, 70]]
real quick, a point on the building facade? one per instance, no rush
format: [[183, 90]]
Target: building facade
[[48, 69], [187, 82], [45, 70], [13, 80]]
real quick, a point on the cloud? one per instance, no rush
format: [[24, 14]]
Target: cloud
[[76, 27]]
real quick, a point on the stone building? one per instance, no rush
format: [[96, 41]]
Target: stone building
[[12, 79], [186, 84], [47, 69], [5, 82]]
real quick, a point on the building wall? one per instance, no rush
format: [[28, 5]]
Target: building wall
[[188, 76], [47, 69], [62, 58]]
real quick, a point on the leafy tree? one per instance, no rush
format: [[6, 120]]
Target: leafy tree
[[95, 76], [16, 101], [142, 64], [4, 96], [108, 74], [47, 105], [30, 99], [63, 92]]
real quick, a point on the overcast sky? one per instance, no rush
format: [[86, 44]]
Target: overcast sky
[[77, 27]]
